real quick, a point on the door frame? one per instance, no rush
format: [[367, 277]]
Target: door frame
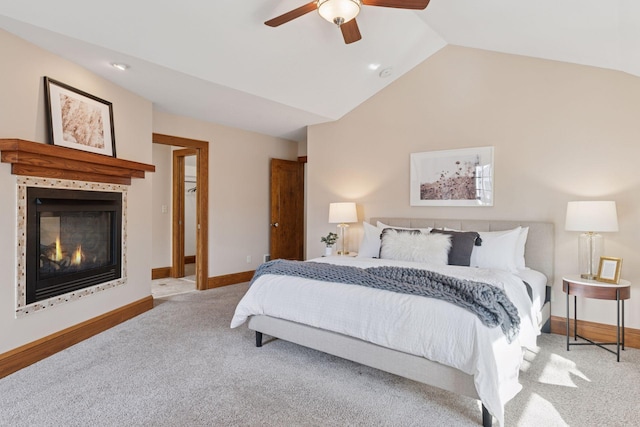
[[202, 207]]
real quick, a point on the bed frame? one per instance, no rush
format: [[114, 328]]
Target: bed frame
[[539, 255]]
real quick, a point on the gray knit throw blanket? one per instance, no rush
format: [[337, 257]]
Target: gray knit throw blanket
[[488, 302]]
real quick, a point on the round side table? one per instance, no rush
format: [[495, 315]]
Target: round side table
[[577, 286]]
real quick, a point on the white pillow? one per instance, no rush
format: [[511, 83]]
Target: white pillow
[[498, 250], [520, 244], [417, 247], [518, 260], [370, 244]]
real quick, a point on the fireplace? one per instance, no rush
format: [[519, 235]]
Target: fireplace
[[73, 240]]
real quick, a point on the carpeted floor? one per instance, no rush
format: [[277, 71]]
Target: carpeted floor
[[181, 365]]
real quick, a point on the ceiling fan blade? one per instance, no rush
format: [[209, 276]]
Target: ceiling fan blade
[[350, 31], [399, 4], [292, 14]]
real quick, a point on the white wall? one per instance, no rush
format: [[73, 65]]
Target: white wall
[[22, 115], [561, 132], [238, 189]]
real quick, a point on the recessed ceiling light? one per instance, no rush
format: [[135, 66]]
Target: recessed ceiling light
[[120, 66], [374, 67]]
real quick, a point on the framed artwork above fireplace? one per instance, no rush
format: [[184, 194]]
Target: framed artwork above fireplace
[[79, 120]]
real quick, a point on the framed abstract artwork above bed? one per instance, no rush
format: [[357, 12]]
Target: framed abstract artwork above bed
[[461, 177]]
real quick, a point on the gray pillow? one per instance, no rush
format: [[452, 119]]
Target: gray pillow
[[462, 243]]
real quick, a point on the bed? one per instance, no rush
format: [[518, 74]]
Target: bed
[[417, 358]]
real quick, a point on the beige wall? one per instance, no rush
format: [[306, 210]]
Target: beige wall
[[22, 115], [561, 132], [238, 189]]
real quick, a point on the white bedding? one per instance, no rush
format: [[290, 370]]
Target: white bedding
[[538, 283], [421, 326]]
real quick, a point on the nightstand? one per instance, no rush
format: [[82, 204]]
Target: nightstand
[[577, 286]]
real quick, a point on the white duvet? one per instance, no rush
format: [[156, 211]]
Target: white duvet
[[435, 329]]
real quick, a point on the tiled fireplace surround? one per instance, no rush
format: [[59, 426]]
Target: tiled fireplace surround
[[22, 308], [43, 165]]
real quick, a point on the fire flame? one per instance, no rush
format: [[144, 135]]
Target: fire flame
[[77, 256], [75, 259], [58, 250]]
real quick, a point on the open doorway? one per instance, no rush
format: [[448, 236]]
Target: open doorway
[[184, 212], [190, 216], [199, 150]]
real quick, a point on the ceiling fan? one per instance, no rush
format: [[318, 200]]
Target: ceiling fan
[[343, 13]]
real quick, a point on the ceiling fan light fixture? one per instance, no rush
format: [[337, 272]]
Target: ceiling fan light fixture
[[339, 11]]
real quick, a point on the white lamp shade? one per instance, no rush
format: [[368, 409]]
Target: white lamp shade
[[333, 9], [596, 216], [341, 213]]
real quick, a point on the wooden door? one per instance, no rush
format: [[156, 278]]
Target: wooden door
[[287, 210]]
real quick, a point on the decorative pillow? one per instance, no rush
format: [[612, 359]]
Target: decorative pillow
[[497, 251], [370, 244], [383, 226], [462, 243], [414, 246]]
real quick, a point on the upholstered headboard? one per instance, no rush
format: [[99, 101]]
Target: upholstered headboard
[[539, 250]]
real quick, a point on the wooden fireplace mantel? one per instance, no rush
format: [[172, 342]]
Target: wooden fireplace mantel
[[51, 161]]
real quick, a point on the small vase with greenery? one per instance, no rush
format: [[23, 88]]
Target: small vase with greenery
[[329, 240]]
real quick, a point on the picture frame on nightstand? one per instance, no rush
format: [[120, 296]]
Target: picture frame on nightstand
[[609, 270]]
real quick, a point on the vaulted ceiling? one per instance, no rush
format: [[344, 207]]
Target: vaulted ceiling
[[216, 60]]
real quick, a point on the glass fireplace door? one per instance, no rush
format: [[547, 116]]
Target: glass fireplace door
[[73, 240]]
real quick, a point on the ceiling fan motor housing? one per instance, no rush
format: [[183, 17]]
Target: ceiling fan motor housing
[[339, 11]]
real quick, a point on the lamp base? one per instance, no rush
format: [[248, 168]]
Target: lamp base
[[590, 249], [342, 231]]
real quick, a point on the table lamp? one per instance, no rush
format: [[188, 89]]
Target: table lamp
[[591, 217], [341, 214]]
